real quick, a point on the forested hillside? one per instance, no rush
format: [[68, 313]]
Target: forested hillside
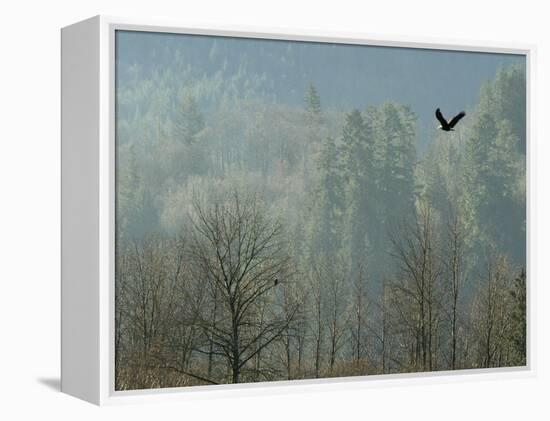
[[156, 69], [261, 237]]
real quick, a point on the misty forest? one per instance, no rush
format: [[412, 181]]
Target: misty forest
[[289, 210]]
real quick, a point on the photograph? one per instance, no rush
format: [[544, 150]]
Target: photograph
[[304, 210], [295, 209]]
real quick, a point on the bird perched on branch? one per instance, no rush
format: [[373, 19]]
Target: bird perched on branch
[[445, 125]]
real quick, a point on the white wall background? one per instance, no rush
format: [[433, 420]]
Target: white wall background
[[29, 206]]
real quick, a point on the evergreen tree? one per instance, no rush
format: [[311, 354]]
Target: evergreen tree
[[438, 175], [313, 120], [326, 236], [189, 121], [358, 171], [395, 166], [312, 102], [477, 177], [505, 98], [396, 141], [136, 212], [189, 149], [491, 174]]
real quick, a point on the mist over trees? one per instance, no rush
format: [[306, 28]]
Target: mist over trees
[[261, 240]]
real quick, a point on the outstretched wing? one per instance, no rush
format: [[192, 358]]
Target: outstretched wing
[[440, 117], [456, 119]]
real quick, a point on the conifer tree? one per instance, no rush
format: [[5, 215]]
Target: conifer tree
[[326, 236], [312, 102], [189, 121]]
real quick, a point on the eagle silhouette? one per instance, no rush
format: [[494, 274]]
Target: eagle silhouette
[[445, 125]]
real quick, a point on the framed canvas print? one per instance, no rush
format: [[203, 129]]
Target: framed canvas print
[[243, 210]]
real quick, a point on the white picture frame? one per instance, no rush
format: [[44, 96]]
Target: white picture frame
[[88, 194]]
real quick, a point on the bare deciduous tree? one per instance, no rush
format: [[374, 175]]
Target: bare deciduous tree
[[359, 315], [455, 271], [241, 252], [491, 316], [416, 290]]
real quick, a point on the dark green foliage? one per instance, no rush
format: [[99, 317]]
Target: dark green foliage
[[358, 170], [494, 185], [327, 217], [395, 128], [505, 97]]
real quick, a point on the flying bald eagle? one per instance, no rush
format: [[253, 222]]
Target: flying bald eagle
[[448, 126]]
